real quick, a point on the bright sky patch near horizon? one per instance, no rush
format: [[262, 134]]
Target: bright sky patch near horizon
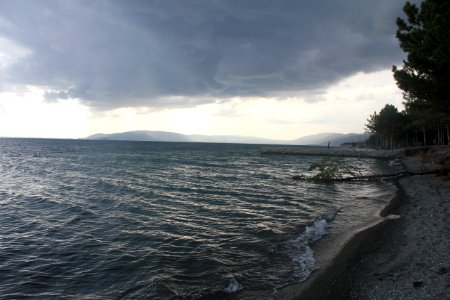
[[273, 69]]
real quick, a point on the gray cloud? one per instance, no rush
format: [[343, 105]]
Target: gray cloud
[[145, 53]]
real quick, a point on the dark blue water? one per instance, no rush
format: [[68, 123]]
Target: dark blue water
[[105, 219]]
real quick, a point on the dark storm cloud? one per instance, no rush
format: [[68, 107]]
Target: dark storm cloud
[[129, 53]]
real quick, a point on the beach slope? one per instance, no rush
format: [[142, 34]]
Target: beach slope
[[404, 256], [410, 260]]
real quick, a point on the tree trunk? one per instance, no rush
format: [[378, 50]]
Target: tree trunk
[[448, 135], [424, 136], [440, 138], [375, 177]]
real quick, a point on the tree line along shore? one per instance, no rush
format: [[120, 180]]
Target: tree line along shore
[[424, 79]]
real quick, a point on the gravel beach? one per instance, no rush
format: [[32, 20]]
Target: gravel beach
[[411, 258], [405, 257]]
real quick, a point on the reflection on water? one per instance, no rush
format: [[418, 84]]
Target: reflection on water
[[141, 219]]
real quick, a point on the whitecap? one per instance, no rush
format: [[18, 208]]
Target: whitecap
[[233, 286], [302, 254]]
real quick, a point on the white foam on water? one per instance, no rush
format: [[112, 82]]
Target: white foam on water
[[233, 286], [394, 162], [303, 254], [305, 261], [315, 231]]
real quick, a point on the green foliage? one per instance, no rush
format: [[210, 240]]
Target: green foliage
[[425, 75], [329, 171], [386, 125], [371, 124]]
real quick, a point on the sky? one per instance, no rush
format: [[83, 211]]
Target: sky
[[272, 69]]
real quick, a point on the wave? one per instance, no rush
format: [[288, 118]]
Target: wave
[[303, 255], [153, 220]]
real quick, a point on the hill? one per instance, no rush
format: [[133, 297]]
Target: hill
[[320, 139], [335, 139], [141, 135]]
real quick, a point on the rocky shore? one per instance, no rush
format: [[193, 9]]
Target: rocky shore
[[411, 258], [406, 256]]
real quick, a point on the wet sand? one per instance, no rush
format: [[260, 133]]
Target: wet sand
[[404, 256]]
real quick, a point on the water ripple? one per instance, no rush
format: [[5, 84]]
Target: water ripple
[[128, 220]]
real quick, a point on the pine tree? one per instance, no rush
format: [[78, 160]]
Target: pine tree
[[386, 126], [425, 75]]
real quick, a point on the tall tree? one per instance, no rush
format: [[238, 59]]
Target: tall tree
[[425, 74], [386, 125]]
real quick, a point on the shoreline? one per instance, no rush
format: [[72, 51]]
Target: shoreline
[[328, 281], [403, 256], [333, 151]]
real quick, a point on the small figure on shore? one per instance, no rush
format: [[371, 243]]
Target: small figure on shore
[[329, 144]]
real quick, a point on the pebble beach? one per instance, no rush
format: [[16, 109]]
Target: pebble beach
[[411, 258], [404, 256]]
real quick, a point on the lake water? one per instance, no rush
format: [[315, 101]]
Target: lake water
[[150, 220]]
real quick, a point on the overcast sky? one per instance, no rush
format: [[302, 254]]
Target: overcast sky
[[276, 69]]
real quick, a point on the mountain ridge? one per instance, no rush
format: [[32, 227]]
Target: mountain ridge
[[320, 139]]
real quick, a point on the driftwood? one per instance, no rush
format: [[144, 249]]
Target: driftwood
[[391, 176]]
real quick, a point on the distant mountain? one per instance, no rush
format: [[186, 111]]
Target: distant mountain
[[320, 139], [141, 135], [233, 139], [315, 139], [163, 136], [335, 139], [350, 138]]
